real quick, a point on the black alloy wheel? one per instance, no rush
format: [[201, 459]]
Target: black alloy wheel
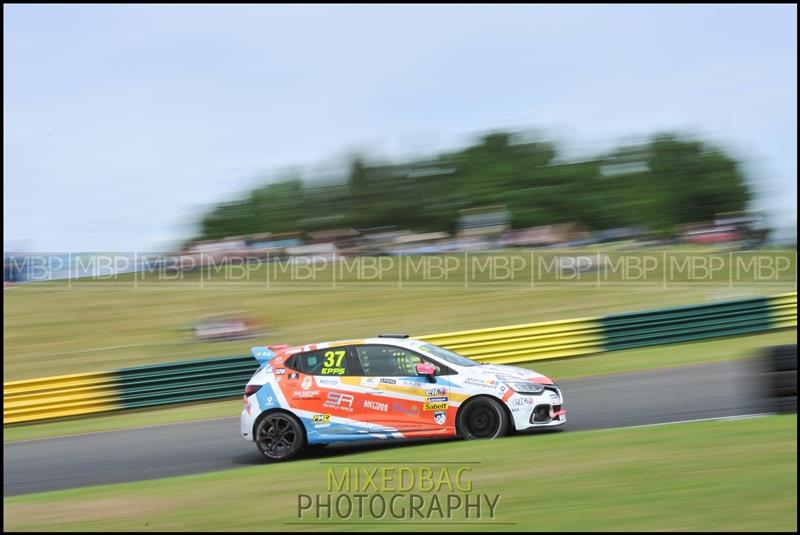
[[279, 436], [482, 417]]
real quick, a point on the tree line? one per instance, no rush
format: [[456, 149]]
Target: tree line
[[665, 181]]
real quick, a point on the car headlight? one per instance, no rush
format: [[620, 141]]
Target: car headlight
[[527, 388]]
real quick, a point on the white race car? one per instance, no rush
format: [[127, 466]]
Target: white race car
[[387, 387]]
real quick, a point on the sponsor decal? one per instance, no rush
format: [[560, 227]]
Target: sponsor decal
[[338, 400], [399, 407], [388, 381], [369, 381], [435, 406], [440, 417], [321, 418], [439, 399], [522, 401], [307, 383], [305, 394], [279, 371], [436, 392], [376, 405], [416, 383], [554, 398], [412, 389], [329, 381], [293, 375], [473, 382]]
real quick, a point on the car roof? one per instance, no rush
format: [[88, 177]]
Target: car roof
[[408, 343]]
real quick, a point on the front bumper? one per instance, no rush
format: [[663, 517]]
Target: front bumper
[[538, 411]]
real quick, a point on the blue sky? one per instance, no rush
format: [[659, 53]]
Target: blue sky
[[121, 123]]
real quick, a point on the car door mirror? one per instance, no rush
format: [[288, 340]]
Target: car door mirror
[[429, 370]]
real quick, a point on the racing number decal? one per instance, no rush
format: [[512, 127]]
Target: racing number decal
[[333, 363]]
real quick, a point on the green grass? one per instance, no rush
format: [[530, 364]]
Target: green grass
[[60, 331], [608, 363], [734, 475]]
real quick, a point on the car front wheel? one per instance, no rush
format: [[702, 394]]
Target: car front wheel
[[279, 436], [482, 417]]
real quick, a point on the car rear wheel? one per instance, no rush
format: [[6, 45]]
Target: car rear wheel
[[279, 436], [482, 417]]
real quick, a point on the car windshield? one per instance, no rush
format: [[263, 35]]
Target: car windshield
[[449, 356]]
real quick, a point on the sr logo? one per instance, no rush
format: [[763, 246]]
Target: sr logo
[[337, 400]]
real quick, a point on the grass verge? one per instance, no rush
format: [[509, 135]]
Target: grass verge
[[732, 475]]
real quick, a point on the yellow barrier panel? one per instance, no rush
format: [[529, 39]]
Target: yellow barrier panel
[[783, 309], [526, 342], [56, 397]]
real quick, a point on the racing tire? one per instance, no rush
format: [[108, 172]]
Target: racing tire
[[279, 436], [482, 417]]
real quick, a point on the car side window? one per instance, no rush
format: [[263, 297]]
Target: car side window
[[391, 361], [336, 361]]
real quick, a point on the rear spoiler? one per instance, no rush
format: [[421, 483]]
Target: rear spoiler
[[264, 354]]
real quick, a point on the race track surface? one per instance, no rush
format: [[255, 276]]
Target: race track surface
[[665, 395]]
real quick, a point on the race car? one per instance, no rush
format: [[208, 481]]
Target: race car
[[388, 387]]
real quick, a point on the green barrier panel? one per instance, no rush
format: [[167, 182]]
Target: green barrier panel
[[183, 381], [687, 323]]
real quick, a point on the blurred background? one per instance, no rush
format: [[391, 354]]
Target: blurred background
[[169, 140], [137, 129]]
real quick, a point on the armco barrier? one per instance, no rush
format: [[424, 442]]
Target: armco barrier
[[56, 397], [683, 324], [183, 381], [524, 343], [177, 382]]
